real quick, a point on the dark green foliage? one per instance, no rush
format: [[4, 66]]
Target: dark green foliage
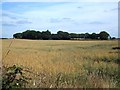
[[113, 38], [46, 35], [74, 35], [94, 36], [63, 35], [82, 35], [87, 35], [54, 37], [104, 35], [30, 34], [13, 78], [18, 35]]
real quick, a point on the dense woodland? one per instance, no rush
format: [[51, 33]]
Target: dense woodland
[[61, 35]]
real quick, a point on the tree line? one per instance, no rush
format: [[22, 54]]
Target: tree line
[[61, 35]]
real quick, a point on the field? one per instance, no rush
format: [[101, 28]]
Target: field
[[64, 63]]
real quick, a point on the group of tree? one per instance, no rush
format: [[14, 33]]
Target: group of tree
[[61, 35]]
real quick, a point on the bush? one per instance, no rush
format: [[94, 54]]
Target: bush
[[13, 78]]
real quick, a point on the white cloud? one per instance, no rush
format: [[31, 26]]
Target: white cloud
[[67, 17], [87, 13]]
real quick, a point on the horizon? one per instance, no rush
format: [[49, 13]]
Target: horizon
[[77, 17]]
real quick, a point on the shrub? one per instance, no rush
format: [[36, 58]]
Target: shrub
[[13, 78]]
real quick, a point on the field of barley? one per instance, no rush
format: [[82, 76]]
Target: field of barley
[[64, 63]]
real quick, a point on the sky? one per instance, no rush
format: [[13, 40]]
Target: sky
[[73, 17]]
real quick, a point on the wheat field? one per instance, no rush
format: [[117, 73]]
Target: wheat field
[[64, 63]]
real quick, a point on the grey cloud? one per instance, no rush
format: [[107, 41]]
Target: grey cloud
[[57, 20], [8, 24], [79, 7], [66, 18], [105, 10], [7, 15], [20, 22], [23, 22], [113, 9], [96, 22], [12, 16]]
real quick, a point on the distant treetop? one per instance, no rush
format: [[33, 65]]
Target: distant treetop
[[61, 35]]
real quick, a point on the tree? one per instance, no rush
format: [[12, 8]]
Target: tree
[[113, 38], [63, 35], [104, 35], [18, 35], [82, 35], [94, 36], [74, 35], [39, 35], [46, 35], [87, 35], [54, 37], [30, 34]]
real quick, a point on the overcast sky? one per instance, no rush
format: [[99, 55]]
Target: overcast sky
[[78, 17]]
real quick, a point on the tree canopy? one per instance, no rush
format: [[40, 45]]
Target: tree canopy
[[104, 35], [60, 35]]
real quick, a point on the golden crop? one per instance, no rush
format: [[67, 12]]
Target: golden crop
[[72, 60]]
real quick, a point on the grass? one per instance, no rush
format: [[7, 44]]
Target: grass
[[65, 64]]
